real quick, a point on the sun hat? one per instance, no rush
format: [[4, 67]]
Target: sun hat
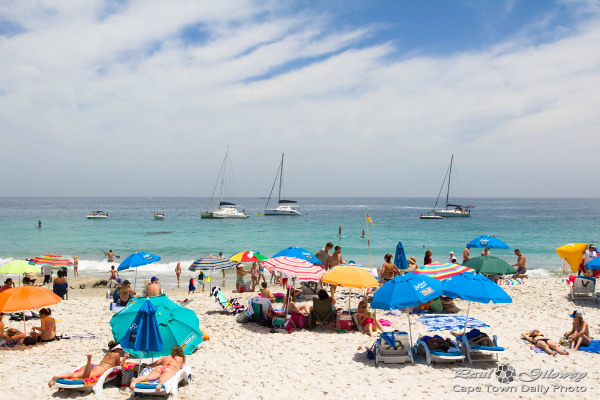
[[117, 347], [154, 279], [576, 313], [413, 259]]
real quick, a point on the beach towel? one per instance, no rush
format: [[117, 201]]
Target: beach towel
[[594, 347], [115, 307], [508, 282], [384, 322], [78, 336], [437, 322], [93, 379], [537, 349]]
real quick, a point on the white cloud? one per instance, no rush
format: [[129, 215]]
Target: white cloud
[[89, 96]]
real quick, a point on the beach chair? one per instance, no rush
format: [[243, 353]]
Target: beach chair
[[392, 348], [454, 354], [480, 353], [321, 313], [583, 288], [310, 289], [95, 384], [258, 308], [182, 377], [231, 305]]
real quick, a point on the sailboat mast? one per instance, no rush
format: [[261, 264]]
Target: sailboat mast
[[223, 175], [449, 176], [280, 178]]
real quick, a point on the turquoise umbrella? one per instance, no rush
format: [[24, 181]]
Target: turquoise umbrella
[[177, 325]]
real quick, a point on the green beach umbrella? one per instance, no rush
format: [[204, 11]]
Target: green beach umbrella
[[490, 265], [19, 267], [177, 325]]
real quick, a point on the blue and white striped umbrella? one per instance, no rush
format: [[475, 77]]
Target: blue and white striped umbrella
[[211, 263]]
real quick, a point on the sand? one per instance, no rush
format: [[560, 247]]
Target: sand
[[246, 361]]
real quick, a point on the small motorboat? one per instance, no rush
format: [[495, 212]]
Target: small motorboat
[[159, 215], [97, 215]]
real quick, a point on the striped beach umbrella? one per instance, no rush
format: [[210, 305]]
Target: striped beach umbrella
[[52, 260], [211, 263], [301, 269], [247, 256], [442, 270]]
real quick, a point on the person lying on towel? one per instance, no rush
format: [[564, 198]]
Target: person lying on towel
[[164, 369], [476, 338], [110, 360], [437, 343]]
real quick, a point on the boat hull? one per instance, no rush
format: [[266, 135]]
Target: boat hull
[[224, 213], [97, 217], [283, 211], [453, 213], [159, 217], [431, 217]]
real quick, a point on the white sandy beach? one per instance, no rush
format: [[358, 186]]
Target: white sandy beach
[[246, 361]]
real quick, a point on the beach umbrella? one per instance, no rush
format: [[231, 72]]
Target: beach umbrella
[[177, 325], [572, 253], [400, 257], [404, 291], [211, 263], [474, 287], [295, 267], [487, 242], [143, 335], [19, 267], [490, 265], [24, 298], [297, 252], [350, 276], [247, 256], [137, 260], [442, 270], [52, 260], [594, 264]]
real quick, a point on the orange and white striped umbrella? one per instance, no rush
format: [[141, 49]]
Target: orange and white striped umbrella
[[300, 269]]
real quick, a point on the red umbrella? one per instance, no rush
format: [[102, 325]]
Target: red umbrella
[[296, 267]]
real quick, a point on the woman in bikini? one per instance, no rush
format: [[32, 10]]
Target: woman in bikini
[[255, 275], [47, 330], [388, 269], [110, 360], [365, 319], [580, 334], [178, 273], [541, 341], [289, 306], [164, 369]]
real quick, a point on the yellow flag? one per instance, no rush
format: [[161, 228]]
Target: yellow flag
[[369, 219]]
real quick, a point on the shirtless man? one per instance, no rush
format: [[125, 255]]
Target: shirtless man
[[466, 255], [110, 360], [389, 269], [110, 255], [153, 288], [521, 267], [333, 260]]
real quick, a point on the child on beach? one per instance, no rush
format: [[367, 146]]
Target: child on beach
[[255, 275], [365, 319], [265, 293], [191, 287], [114, 274], [201, 279]]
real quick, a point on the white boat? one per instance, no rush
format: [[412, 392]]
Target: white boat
[[97, 215], [451, 210], [159, 215], [226, 209], [284, 207]]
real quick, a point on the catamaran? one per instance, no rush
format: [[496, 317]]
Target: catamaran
[[284, 207], [451, 210], [226, 209]]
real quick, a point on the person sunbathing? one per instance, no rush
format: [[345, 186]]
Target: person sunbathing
[[47, 330], [110, 360], [290, 306], [476, 338], [580, 334], [541, 341], [437, 343], [14, 336], [164, 369], [365, 319]]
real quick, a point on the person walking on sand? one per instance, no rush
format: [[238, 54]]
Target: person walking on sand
[[114, 274], [75, 267], [110, 255], [178, 273], [334, 260], [191, 287], [466, 255], [223, 283], [521, 266]]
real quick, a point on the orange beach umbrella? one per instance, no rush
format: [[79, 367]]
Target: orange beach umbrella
[[24, 298]]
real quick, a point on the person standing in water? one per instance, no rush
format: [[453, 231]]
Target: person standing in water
[[340, 231], [110, 255], [39, 224]]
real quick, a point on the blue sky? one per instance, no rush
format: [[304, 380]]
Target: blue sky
[[366, 98]]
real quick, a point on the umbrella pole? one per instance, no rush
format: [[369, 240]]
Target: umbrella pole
[[409, 329], [24, 325], [467, 319], [349, 300], [135, 280]]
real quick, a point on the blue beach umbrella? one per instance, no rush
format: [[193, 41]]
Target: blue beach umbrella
[[474, 287], [136, 260], [400, 258], [177, 325], [594, 264], [143, 335], [297, 252], [408, 290], [487, 242]]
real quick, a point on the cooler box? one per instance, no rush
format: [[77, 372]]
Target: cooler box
[[344, 321]]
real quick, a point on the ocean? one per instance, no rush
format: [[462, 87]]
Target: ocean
[[535, 226]]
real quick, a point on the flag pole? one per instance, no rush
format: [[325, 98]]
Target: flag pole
[[368, 240]]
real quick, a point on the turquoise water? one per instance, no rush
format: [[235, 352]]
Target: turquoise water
[[535, 226]]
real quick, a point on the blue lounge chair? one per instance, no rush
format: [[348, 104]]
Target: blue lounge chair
[[479, 353]]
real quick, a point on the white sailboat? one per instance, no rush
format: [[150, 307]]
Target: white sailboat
[[226, 209], [451, 210], [284, 207]]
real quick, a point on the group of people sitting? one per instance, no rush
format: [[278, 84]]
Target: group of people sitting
[[578, 336], [46, 332], [163, 368]]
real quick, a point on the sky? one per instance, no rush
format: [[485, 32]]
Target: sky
[[365, 98]]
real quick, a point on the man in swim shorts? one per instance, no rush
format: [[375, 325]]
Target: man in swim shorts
[[521, 266]]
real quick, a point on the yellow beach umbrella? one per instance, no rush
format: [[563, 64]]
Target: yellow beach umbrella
[[19, 267], [572, 253], [350, 276]]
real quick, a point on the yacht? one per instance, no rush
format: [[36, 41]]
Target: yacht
[[284, 207], [159, 215], [451, 210]]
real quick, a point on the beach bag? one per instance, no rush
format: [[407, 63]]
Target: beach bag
[[124, 377], [370, 353], [242, 318], [299, 320]]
